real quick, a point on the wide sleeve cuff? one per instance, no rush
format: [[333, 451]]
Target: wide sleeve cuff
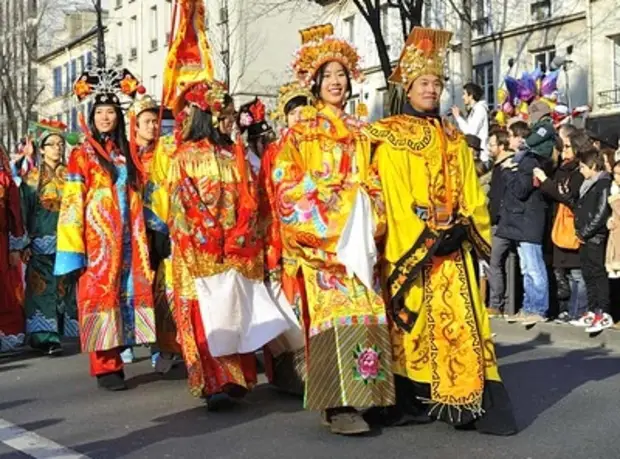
[[67, 262], [18, 243]]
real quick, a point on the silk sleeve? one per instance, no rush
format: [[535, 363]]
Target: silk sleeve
[[71, 250]]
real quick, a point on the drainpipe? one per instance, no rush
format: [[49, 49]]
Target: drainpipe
[[590, 55]]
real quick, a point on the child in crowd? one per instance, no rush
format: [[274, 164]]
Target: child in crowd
[[591, 218]]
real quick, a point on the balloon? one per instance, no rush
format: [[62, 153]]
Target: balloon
[[549, 84], [72, 138], [502, 95], [501, 118]]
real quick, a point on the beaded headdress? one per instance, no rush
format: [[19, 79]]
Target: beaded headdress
[[141, 105], [319, 46], [105, 85], [206, 95], [287, 93], [424, 54]]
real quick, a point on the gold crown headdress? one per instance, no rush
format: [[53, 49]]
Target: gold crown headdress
[[319, 45], [424, 54], [287, 93], [143, 104]]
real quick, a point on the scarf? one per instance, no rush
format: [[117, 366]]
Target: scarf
[[589, 183]]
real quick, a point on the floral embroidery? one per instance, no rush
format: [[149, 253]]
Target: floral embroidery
[[367, 364]]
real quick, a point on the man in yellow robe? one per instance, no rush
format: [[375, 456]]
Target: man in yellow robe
[[443, 353]]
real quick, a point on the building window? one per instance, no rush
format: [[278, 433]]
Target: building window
[[543, 58], [352, 105], [73, 71], [385, 24], [483, 76], [67, 78], [168, 18], [119, 4], [540, 10], [349, 29], [81, 64], [481, 21], [153, 85], [89, 59], [153, 27], [133, 39], [74, 119], [58, 82]]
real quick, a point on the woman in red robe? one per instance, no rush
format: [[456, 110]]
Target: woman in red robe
[[11, 235]]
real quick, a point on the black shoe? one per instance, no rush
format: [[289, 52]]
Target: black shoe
[[54, 350], [112, 381], [218, 402]]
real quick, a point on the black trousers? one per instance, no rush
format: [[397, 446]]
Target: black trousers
[[592, 256]]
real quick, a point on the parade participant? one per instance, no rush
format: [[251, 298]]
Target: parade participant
[[444, 357], [284, 358], [12, 238], [325, 188], [222, 307], [260, 134], [50, 301], [101, 231], [143, 118]]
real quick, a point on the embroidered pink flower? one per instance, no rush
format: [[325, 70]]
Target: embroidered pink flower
[[368, 364]]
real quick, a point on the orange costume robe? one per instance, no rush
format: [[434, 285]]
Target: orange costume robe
[[217, 266], [101, 231]]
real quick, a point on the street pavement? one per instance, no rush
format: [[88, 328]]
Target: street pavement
[[567, 402]]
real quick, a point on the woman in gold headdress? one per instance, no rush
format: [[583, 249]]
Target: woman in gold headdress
[[444, 354], [325, 188]]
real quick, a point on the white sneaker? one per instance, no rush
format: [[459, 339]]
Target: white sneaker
[[601, 322], [584, 321]]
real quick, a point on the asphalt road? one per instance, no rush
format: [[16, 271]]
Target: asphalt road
[[567, 403]]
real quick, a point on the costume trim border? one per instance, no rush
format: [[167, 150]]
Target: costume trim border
[[405, 273], [482, 247]]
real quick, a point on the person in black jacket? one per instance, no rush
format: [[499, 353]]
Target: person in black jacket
[[563, 189], [523, 218], [591, 214], [499, 150]]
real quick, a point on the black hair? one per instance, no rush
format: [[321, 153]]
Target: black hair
[[593, 158], [119, 138], [299, 101], [580, 142], [567, 129], [520, 129], [202, 127], [501, 136], [320, 76], [474, 90]]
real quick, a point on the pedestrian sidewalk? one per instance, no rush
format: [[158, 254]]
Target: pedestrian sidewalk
[[556, 334]]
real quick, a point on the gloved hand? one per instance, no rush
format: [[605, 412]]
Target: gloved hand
[[452, 240]]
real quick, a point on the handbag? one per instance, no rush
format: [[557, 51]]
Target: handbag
[[563, 233]]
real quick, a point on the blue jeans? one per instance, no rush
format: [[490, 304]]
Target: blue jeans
[[578, 302], [535, 281]]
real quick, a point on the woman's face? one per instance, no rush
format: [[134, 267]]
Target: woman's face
[[294, 116], [227, 120], [106, 118], [53, 149], [568, 153], [334, 86]]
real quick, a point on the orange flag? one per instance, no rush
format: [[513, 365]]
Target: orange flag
[[190, 56]]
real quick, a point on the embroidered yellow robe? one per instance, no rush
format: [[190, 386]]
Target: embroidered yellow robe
[[316, 175], [440, 330]]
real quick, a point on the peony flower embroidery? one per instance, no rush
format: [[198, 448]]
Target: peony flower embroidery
[[367, 364]]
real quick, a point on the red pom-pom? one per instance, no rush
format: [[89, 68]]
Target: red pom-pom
[[141, 89]]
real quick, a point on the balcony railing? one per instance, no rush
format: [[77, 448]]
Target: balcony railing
[[609, 98]]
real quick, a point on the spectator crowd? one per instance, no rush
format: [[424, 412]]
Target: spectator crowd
[[554, 198]]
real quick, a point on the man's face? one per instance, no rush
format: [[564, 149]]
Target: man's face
[[146, 126], [515, 141], [425, 92], [494, 148], [467, 99]]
